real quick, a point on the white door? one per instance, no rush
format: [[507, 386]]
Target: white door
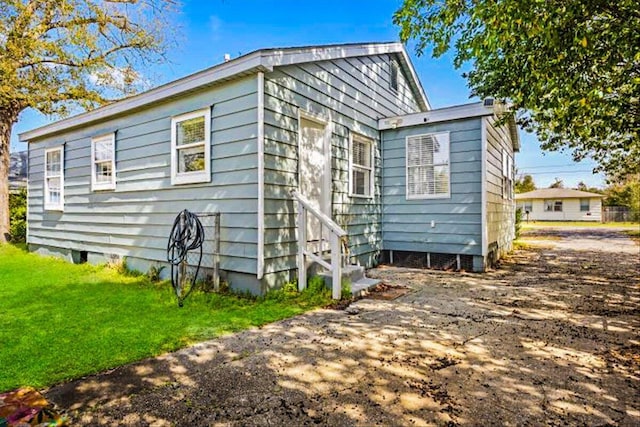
[[314, 170]]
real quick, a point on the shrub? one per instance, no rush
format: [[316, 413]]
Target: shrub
[[18, 216], [315, 285], [345, 291], [154, 273]]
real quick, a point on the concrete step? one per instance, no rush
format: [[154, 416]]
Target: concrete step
[[352, 273], [362, 286], [355, 276]]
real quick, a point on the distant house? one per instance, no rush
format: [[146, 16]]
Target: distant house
[[560, 204], [288, 145], [18, 171]]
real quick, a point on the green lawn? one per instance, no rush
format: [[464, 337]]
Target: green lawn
[[60, 321]]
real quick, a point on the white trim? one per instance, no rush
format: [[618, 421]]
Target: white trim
[[414, 78], [260, 60], [47, 205], [26, 237], [369, 141], [328, 130], [406, 169], [196, 176], [434, 116], [98, 186], [483, 189], [261, 227]]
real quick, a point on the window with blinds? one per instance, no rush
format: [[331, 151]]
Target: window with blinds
[[103, 159], [361, 166], [428, 171], [190, 147]]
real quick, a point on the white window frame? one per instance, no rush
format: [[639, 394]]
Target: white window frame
[[446, 195], [552, 203], [588, 204], [195, 176], [110, 185], [370, 142], [47, 203], [507, 175]]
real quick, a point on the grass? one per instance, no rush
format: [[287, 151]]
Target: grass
[[538, 224], [61, 321]]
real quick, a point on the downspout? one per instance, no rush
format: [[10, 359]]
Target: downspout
[[483, 188], [260, 266]]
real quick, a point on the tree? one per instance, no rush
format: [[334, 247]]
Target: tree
[[570, 69], [56, 55], [625, 192], [584, 187], [557, 184], [524, 184]]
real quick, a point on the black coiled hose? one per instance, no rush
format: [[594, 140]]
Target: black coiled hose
[[186, 235]]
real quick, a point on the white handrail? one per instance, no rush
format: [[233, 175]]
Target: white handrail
[[324, 218], [336, 233]]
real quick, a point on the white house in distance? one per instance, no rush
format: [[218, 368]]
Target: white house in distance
[[560, 204]]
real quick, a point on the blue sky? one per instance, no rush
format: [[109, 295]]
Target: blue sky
[[209, 29]]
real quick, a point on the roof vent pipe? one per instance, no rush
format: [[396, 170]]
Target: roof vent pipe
[[227, 57]]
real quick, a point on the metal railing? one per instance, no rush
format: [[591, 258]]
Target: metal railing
[[335, 233]]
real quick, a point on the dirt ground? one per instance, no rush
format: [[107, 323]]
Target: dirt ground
[[550, 338]]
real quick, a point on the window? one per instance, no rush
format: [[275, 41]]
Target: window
[[191, 148], [428, 166], [361, 165], [507, 176], [527, 206], [54, 178], [553, 205], [584, 205], [393, 75], [103, 160]]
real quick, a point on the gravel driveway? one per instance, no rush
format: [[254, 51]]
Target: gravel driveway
[[550, 338]]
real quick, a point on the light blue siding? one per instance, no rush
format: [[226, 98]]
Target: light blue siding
[[406, 224], [135, 219], [353, 94]]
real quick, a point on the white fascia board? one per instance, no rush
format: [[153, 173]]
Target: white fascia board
[[435, 116], [169, 90], [417, 86]]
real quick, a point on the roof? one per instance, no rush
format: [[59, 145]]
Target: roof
[[556, 193], [260, 60], [456, 112]]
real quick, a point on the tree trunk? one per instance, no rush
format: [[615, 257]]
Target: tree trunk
[[6, 123]]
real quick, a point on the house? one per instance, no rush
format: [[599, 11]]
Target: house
[[560, 204], [305, 152], [17, 171]]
